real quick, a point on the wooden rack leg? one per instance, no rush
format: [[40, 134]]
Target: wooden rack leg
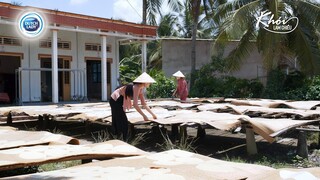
[[9, 119], [87, 127]]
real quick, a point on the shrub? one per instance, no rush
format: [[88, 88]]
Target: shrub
[[294, 86], [163, 87], [206, 84], [275, 84], [313, 89]]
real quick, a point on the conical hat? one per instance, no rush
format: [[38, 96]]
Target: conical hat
[[178, 74], [144, 78]]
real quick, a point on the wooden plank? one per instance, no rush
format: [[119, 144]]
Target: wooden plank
[[42, 154]]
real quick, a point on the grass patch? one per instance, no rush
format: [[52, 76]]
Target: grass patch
[[260, 160], [58, 165], [105, 135], [184, 143], [274, 161]]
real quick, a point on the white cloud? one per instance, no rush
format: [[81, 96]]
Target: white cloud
[[77, 2], [128, 10]]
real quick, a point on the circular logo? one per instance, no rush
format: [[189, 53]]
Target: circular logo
[[31, 24]]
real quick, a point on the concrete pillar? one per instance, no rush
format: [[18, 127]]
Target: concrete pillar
[[319, 137], [175, 131], [302, 147], [201, 132], [103, 68], [54, 65], [251, 142], [144, 56], [183, 132], [117, 65]]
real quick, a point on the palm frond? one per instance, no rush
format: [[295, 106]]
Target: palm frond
[[310, 10], [153, 8], [307, 48], [175, 5], [167, 26], [243, 49], [272, 47]]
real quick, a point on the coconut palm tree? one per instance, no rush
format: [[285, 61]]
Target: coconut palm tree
[[185, 24], [173, 25], [209, 7], [151, 8], [240, 19], [167, 28]]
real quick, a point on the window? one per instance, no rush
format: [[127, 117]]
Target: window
[[95, 47], [10, 41], [96, 72], [64, 45], [61, 44]]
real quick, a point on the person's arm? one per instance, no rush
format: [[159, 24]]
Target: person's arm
[[136, 93], [144, 104], [174, 92]]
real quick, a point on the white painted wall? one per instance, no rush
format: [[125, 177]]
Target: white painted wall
[[31, 81]]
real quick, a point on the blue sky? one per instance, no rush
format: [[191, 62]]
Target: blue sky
[[127, 10]]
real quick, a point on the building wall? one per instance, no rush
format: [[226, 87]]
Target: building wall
[[176, 55], [31, 80]]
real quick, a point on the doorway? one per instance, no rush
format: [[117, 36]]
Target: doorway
[[8, 86], [64, 88], [94, 80]]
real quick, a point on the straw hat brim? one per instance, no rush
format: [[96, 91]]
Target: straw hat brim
[[178, 74], [144, 78]]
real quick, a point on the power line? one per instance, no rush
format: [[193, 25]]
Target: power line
[[134, 9]]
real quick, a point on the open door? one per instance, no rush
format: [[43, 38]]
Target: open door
[[8, 86]]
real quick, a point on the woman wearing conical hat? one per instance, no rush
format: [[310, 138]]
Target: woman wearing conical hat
[[120, 101], [182, 86]]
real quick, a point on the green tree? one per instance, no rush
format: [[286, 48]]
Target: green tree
[[166, 29], [151, 8], [185, 23], [130, 68], [130, 63], [238, 20], [208, 8]]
